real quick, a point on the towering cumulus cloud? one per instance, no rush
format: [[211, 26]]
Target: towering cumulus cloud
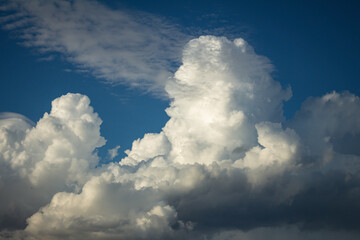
[[55, 155], [225, 166]]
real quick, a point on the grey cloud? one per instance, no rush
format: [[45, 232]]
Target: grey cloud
[[333, 120], [54, 155], [283, 233]]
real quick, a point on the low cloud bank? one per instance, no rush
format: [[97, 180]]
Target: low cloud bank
[[225, 166]]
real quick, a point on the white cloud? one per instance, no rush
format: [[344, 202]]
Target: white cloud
[[137, 49], [225, 166], [10, 118], [219, 93], [150, 146], [104, 209], [55, 155]]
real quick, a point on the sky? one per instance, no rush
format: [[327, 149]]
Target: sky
[[179, 120]]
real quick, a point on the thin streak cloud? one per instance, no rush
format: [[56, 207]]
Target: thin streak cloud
[[134, 48]]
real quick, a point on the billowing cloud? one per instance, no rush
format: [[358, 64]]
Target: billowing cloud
[[55, 155], [137, 49], [225, 166]]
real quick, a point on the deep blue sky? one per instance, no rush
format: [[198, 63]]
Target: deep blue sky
[[314, 46]]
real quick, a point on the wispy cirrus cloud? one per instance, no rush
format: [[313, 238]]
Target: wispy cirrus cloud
[[134, 48]]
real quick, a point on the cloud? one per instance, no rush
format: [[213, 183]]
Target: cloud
[[54, 155], [137, 49], [283, 233], [114, 152], [225, 166], [219, 93], [9, 117], [107, 210]]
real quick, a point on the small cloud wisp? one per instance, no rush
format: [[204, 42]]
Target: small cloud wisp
[[120, 47]]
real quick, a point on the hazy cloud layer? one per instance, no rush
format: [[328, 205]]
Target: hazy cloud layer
[[225, 166], [137, 49]]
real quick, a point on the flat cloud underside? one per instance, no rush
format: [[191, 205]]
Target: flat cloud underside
[[225, 166]]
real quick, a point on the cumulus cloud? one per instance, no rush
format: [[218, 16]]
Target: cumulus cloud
[[39, 161], [336, 118], [225, 166], [283, 233], [138, 49]]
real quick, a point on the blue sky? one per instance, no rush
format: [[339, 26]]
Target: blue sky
[[241, 119]]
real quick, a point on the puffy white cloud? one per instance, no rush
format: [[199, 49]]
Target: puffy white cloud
[[219, 93], [55, 155], [104, 209], [150, 146], [225, 166], [135, 48]]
